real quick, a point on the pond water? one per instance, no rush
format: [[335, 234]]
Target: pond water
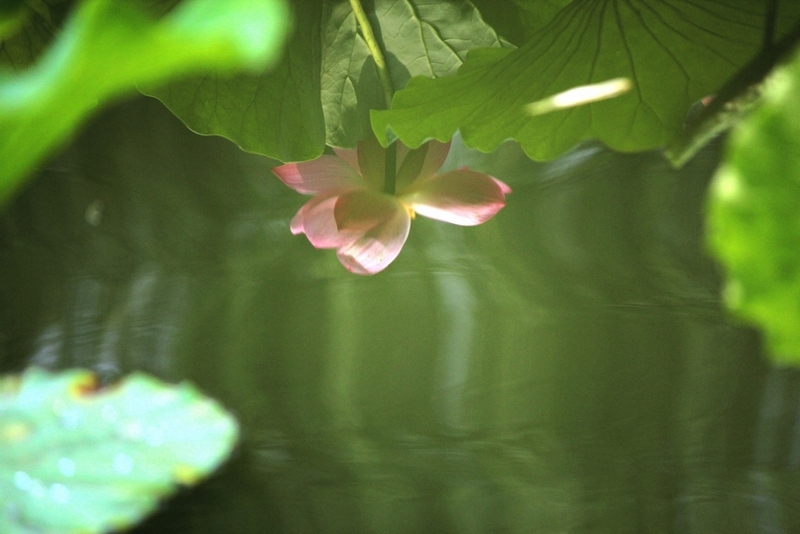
[[566, 367]]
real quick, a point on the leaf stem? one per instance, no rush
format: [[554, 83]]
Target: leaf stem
[[375, 50], [390, 173], [736, 96]]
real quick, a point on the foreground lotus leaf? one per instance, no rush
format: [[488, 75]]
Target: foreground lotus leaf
[[753, 215], [77, 459], [106, 48]]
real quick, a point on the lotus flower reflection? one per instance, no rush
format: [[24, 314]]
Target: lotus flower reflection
[[353, 212]]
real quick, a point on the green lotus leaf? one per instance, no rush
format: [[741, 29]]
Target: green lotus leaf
[[428, 38], [674, 51], [754, 215], [105, 48], [12, 17], [535, 14], [323, 89], [274, 111], [77, 459], [24, 33]]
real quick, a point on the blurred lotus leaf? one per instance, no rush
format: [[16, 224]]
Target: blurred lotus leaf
[[77, 459], [754, 215], [106, 48]]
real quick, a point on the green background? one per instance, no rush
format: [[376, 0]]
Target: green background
[[565, 367]]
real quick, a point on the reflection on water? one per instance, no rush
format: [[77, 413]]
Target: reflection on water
[[562, 368], [455, 349]]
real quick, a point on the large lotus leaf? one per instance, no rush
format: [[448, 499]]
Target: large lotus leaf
[[504, 17], [24, 33], [107, 47], [754, 215], [428, 38], [275, 112], [12, 16], [323, 89], [76, 459], [518, 20], [674, 51], [535, 14]]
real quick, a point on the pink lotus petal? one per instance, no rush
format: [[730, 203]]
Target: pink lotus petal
[[435, 158], [363, 209], [421, 163], [316, 219], [462, 197], [296, 226], [503, 186], [350, 155], [377, 248], [402, 152], [322, 174]]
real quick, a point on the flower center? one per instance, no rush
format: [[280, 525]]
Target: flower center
[[409, 209]]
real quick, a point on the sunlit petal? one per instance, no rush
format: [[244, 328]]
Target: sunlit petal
[[322, 174], [316, 220], [421, 163], [377, 248], [462, 197]]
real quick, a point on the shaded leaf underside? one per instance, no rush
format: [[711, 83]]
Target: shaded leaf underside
[[322, 91], [275, 112]]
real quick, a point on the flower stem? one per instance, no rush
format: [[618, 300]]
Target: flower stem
[[388, 90], [375, 50]]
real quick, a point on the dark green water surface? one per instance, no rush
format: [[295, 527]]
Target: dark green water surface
[[564, 368]]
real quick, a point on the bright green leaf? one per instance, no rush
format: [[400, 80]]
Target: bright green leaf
[[754, 215], [77, 460], [107, 47], [674, 51]]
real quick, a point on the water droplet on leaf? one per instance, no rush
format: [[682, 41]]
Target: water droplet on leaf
[[109, 413], [59, 493], [23, 480], [123, 464], [66, 467]]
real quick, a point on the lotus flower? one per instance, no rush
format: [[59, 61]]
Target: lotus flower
[[368, 226]]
